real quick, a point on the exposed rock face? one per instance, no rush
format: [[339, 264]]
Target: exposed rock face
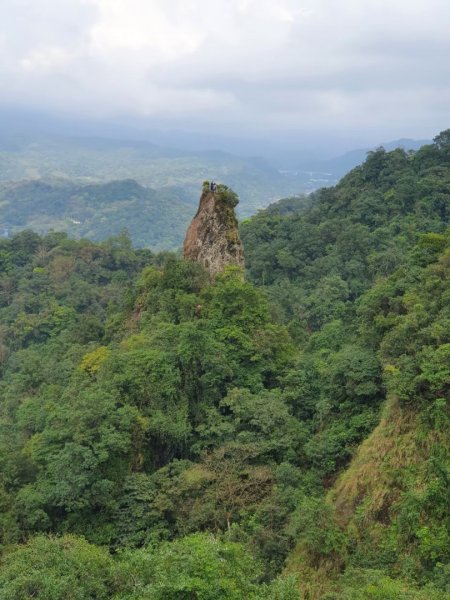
[[212, 238]]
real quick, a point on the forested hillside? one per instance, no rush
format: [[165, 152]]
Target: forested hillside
[[139, 409], [155, 219], [284, 437], [361, 281]]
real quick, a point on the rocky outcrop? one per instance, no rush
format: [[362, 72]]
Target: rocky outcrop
[[212, 238]]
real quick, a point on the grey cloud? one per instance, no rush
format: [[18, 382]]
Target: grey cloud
[[30, 23], [335, 65]]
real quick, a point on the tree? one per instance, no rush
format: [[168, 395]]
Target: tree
[[203, 567], [57, 568]]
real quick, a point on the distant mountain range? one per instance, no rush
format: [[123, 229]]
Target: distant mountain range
[[313, 174], [340, 165], [97, 160], [94, 187]]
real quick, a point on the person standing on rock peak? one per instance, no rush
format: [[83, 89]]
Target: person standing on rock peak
[[212, 238]]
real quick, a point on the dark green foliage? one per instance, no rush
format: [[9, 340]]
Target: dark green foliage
[[361, 280], [135, 414], [314, 527], [201, 431], [197, 566], [332, 251]]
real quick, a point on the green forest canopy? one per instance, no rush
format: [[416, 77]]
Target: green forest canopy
[[164, 437]]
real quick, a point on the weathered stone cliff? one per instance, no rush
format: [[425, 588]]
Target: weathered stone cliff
[[212, 238]]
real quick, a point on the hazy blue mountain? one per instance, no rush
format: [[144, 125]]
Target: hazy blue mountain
[[312, 173], [340, 165], [282, 149]]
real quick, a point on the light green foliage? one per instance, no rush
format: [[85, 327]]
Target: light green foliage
[[93, 361], [198, 566], [375, 585], [66, 568], [415, 352], [202, 566], [227, 196]]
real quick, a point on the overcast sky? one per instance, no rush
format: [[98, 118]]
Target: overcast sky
[[359, 67]]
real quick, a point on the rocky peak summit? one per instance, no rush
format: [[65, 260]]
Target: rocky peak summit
[[212, 238]]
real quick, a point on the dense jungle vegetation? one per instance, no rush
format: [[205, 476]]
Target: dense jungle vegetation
[[280, 437]]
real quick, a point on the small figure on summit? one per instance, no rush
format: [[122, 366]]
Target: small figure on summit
[[212, 238]]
